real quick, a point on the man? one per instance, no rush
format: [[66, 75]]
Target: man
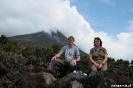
[[72, 56]]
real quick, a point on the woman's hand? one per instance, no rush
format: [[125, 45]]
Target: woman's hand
[[100, 66], [97, 65]]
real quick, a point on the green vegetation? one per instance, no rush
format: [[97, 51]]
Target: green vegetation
[[123, 64], [56, 48], [14, 49]]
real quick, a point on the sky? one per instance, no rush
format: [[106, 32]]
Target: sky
[[111, 20]]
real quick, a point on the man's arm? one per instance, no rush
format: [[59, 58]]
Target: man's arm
[[56, 56], [78, 58], [78, 55]]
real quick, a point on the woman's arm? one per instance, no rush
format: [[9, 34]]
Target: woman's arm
[[105, 59], [96, 64]]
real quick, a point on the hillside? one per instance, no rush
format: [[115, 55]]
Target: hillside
[[42, 39]]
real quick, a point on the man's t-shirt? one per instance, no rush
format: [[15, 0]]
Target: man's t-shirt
[[70, 53]]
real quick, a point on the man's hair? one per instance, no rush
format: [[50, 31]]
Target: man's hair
[[97, 38], [70, 37]]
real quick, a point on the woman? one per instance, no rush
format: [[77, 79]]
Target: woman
[[98, 56]]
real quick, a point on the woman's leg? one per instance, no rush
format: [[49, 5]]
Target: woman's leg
[[105, 67], [93, 70]]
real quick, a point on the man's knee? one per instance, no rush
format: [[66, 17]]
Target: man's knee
[[72, 64], [59, 61]]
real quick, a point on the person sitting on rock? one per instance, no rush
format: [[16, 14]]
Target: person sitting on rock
[[71, 53], [98, 57]]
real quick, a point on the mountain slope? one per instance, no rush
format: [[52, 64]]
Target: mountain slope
[[42, 39]]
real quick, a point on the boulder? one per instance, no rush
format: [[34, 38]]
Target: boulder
[[40, 69], [75, 84], [65, 81], [36, 80], [29, 68], [3, 83], [113, 76], [3, 69], [13, 75]]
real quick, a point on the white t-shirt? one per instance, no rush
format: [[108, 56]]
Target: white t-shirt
[[70, 53]]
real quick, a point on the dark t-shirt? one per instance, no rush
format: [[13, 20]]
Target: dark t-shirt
[[98, 56]]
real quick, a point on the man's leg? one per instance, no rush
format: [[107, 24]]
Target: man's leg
[[93, 70], [56, 64], [70, 67]]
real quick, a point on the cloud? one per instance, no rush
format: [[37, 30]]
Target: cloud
[[130, 28], [109, 2], [19, 17]]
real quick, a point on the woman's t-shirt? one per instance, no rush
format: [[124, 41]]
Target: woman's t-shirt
[[98, 56]]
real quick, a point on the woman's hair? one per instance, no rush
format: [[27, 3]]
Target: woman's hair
[[97, 38], [71, 37]]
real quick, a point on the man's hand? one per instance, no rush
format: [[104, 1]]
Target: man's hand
[[74, 62], [53, 59]]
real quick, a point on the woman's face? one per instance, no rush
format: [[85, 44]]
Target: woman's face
[[97, 42]]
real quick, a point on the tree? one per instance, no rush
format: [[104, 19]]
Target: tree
[[4, 39], [56, 48], [110, 61], [131, 62], [122, 63], [126, 62], [8, 47]]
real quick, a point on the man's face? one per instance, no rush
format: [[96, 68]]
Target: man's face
[[70, 41]]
